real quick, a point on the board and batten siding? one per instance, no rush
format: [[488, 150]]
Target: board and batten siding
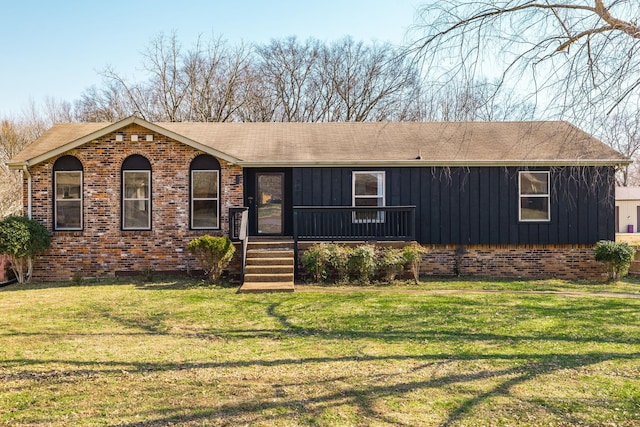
[[478, 205]]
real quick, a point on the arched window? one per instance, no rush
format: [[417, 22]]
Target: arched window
[[67, 189], [136, 193], [205, 192]]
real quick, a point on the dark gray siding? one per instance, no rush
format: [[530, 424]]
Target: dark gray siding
[[478, 205]]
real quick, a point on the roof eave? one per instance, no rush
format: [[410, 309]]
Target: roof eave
[[429, 163], [16, 165]]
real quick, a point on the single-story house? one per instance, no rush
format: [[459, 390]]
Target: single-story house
[[627, 214], [517, 199]]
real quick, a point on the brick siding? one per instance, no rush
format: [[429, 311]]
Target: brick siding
[[102, 248], [4, 266], [514, 261]]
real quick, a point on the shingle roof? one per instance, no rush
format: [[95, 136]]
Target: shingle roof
[[454, 143], [57, 136]]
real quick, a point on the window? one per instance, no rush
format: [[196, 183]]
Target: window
[[534, 196], [205, 206], [67, 188], [136, 193], [368, 191]]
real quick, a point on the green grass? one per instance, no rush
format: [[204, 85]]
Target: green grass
[[174, 352]]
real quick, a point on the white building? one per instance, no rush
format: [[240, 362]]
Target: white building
[[627, 212]]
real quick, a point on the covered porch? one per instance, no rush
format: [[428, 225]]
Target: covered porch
[[313, 224]]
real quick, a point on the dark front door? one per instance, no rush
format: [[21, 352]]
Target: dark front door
[[270, 203], [268, 195]]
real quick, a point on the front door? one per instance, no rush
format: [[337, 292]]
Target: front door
[[269, 202]]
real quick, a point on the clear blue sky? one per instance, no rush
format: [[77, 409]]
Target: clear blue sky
[[55, 48]]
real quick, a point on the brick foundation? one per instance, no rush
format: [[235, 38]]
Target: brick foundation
[[514, 261], [573, 262]]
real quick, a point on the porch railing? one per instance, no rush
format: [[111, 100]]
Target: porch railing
[[238, 232], [336, 223], [344, 223]]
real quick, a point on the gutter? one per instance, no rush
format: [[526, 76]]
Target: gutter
[[434, 163], [25, 169]]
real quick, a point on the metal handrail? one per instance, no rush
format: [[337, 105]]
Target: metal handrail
[[239, 232]]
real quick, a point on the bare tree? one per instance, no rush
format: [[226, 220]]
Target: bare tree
[[205, 83], [216, 78], [472, 101], [107, 104], [259, 105], [287, 69], [622, 132], [575, 56], [13, 137], [35, 119], [284, 80], [160, 98], [167, 87], [370, 83]]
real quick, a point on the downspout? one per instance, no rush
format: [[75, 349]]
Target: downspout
[[26, 171]]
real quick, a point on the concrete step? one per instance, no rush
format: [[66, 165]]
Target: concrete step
[[269, 266], [269, 253], [268, 269], [270, 277], [277, 244], [270, 261], [263, 287]]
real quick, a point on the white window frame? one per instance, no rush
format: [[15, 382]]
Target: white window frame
[[125, 199], [546, 195], [56, 200], [217, 199], [380, 196]]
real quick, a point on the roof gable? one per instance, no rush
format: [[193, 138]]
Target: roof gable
[[67, 136]]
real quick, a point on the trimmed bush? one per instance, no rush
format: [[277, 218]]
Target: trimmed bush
[[338, 262], [413, 257], [22, 239], [315, 261], [213, 254], [391, 262], [616, 256], [362, 263]]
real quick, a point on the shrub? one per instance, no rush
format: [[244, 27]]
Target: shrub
[[338, 262], [22, 239], [616, 256], [391, 262], [413, 257], [315, 260], [77, 278], [148, 272], [213, 254], [362, 263]]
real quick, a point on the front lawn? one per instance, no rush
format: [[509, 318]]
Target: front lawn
[[175, 352]]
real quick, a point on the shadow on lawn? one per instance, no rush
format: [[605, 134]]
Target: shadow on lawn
[[155, 284], [365, 399]]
